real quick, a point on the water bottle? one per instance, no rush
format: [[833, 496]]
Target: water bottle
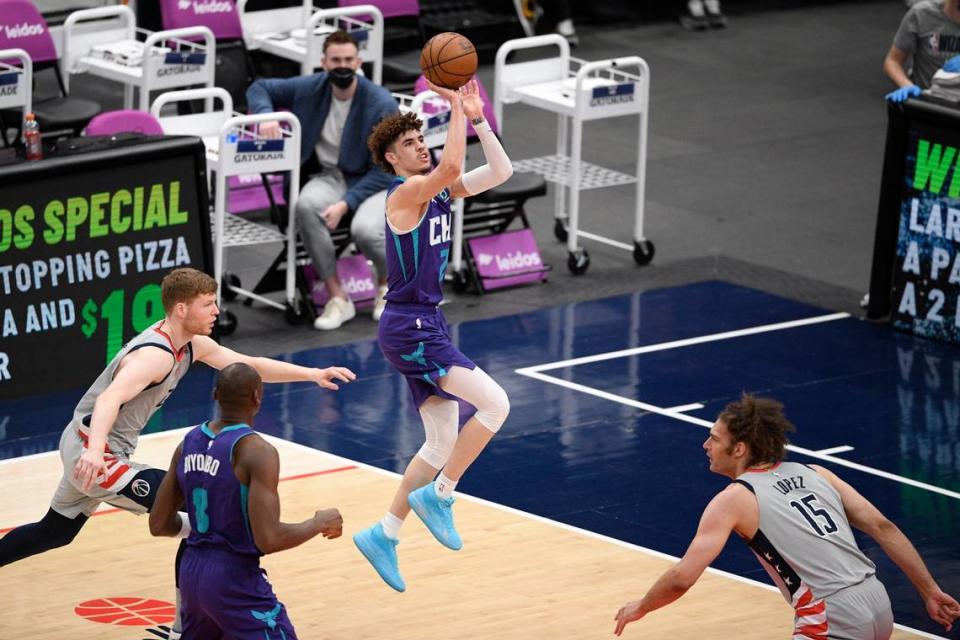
[[31, 137]]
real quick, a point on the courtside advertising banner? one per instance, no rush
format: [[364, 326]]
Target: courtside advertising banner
[[84, 243], [507, 259], [926, 279]]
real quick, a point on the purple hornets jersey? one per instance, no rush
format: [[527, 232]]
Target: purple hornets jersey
[[215, 499], [417, 260]]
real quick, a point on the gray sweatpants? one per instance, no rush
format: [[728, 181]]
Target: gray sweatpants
[[367, 229]]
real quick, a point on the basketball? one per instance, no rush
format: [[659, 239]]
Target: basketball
[[449, 60]]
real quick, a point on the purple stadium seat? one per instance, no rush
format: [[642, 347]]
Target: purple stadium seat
[[123, 121], [389, 8], [25, 28], [21, 25], [220, 16]]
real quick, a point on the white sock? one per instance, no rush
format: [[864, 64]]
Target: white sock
[[444, 486], [391, 525], [695, 7], [712, 6]]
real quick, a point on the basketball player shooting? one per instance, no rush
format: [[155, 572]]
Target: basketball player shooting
[[413, 333]]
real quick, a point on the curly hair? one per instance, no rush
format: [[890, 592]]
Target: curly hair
[[386, 132], [760, 424]]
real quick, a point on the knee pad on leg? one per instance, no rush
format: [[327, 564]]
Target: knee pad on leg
[[493, 411], [440, 425]]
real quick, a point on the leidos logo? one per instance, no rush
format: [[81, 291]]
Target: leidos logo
[[23, 30], [517, 260], [484, 259], [358, 285], [205, 7]]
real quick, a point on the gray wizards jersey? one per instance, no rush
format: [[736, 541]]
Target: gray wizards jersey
[[804, 541], [134, 414]]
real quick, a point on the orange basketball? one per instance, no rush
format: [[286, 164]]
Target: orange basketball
[[449, 60]]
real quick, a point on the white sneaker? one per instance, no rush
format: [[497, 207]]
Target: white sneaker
[[380, 304], [335, 313]]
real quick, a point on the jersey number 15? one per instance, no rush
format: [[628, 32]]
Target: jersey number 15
[[816, 517]]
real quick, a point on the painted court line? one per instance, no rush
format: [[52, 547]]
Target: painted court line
[[536, 372], [568, 527], [348, 464], [676, 344], [693, 406], [644, 406], [841, 449]]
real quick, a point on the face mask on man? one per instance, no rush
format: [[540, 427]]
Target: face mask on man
[[342, 77]]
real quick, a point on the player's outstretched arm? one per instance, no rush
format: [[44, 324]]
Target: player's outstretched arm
[[941, 607], [498, 168], [137, 371], [270, 370], [721, 516], [164, 519], [258, 460]]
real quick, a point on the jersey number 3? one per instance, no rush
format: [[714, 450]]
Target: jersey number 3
[[816, 517]]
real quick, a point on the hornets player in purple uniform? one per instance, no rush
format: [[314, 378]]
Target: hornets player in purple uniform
[[413, 332], [226, 476]]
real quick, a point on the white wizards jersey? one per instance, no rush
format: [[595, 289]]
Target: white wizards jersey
[[804, 541], [135, 413]]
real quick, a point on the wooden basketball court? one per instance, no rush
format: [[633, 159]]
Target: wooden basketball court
[[518, 576]]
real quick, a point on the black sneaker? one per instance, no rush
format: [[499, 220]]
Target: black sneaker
[[694, 23], [715, 17], [695, 19], [716, 20]]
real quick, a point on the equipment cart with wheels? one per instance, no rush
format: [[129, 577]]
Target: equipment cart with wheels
[[104, 42], [297, 33], [16, 82], [234, 147], [578, 91], [241, 151]]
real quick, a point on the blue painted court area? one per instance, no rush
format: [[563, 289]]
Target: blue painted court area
[[612, 443]]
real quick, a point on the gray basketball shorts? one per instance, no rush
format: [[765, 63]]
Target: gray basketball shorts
[[859, 612], [70, 501]]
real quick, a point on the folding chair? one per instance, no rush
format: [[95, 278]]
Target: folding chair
[[232, 144], [402, 34], [16, 84], [106, 42], [487, 24], [22, 26], [491, 212], [234, 68]]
